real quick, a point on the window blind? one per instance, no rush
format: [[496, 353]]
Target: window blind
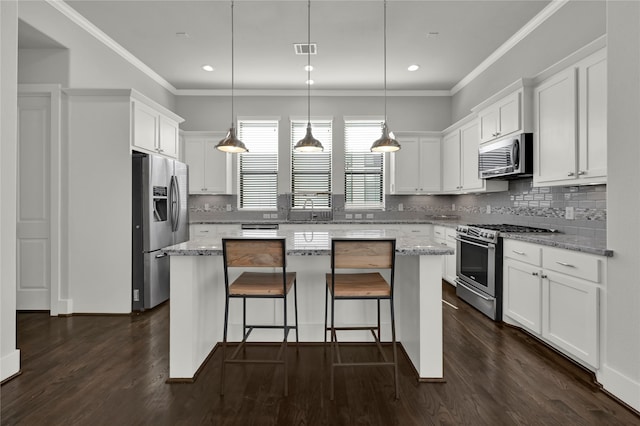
[[311, 171], [364, 170], [258, 168]]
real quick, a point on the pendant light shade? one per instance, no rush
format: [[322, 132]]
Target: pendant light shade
[[231, 143], [308, 143], [385, 143]]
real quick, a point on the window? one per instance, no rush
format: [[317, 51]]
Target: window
[[364, 170], [258, 168], [311, 171]]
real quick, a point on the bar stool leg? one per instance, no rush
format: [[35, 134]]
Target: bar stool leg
[[333, 339], [395, 351], [224, 344], [295, 304], [286, 331]]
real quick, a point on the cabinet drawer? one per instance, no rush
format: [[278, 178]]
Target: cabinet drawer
[[439, 234], [576, 264], [202, 231], [450, 239], [524, 252]]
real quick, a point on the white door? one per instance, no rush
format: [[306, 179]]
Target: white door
[[33, 211]]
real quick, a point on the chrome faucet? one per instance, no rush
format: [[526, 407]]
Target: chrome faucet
[[304, 207]]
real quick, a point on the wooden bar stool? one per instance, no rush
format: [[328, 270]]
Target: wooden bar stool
[[361, 254], [257, 253]]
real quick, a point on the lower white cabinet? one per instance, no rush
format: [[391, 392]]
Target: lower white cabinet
[[446, 236], [555, 294]]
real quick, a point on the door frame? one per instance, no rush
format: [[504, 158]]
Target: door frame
[[54, 92]]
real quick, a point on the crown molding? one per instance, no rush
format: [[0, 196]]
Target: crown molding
[[315, 93], [86, 25], [527, 29]]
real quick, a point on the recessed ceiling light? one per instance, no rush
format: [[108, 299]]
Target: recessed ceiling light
[[308, 68], [208, 68], [309, 82], [413, 67], [433, 34]]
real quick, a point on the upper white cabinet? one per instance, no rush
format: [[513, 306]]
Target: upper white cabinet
[[209, 169], [506, 112], [154, 130], [501, 118], [570, 138], [415, 169], [460, 161]]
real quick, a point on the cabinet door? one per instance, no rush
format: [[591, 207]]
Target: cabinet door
[[169, 139], [194, 157], [555, 139], [488, 121], [429, 166], [451, 162], [592, 76], [217, 176], [509, 115], [570, 316], [145, 127], [522, 294], [469, 158], [406, 167], [450, 272]]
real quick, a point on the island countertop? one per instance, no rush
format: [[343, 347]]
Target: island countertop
[[311, 242]]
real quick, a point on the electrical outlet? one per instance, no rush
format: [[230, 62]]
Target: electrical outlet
[[266, 215], [570, 213], [274, 215], [369, 215], [400, 207], [358, 216], [206, 207], [228, 207], [488, 209], [348, 216], [453, 207]]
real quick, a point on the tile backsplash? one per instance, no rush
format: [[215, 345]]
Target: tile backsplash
[[522, 204]]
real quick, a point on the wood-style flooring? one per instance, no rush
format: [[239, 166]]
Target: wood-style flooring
[[112, 370]]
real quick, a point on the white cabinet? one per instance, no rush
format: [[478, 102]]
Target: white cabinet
[[209, 169], [415, 169], [570, 138], [460, 162], [154, 131], [502, 118], [555, 294], [446, 236]]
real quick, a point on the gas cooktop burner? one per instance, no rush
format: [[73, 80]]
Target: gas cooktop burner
[[511, 228]]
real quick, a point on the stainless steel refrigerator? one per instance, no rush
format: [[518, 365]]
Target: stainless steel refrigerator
[[160, 219]]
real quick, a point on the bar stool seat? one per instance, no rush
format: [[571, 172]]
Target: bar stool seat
[[255, 253], [361, 254]]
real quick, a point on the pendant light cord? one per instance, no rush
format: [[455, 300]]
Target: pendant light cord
[[232, 68], [309, 63], [385, 60]]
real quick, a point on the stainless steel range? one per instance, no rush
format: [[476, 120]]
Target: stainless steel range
[[479, 265]]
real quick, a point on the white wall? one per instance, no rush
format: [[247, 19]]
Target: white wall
[[9, 355], [91, 63], [570, 28], [621, 370], [43, 66]]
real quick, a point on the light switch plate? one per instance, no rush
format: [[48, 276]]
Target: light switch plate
[[570, 213], [400, 207], [266, 215], [369, 215], [488, 209], [358, 216], [348, 216], [274, 215], [228, 207], [453, 207]]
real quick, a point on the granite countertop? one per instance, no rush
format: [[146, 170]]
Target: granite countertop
[[559, 240], [312, 243]]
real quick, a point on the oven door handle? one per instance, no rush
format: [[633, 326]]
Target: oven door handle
[[489, 246], [480, 295]]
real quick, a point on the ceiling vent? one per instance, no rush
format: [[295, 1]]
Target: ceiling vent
[[305, 48]]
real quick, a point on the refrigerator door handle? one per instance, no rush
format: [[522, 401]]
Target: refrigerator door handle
[[173, 204]]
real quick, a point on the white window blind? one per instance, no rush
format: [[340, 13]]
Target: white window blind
[[311, 171], [364, 170], [258, 168]]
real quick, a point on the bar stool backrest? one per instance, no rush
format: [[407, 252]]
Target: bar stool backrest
[[363, 254], [254, 252]]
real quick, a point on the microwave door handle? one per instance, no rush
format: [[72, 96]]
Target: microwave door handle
[[515, 155]]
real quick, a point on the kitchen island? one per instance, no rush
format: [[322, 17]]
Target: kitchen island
[[197, 297]]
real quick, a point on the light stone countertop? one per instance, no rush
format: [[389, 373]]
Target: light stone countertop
[[564, 241], [312, 243]]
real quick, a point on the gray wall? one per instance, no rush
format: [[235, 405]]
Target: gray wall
[[570, 28]]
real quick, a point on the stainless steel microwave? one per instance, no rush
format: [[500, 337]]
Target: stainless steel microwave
[[508, 158]]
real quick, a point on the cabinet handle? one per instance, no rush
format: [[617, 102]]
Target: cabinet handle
[[204, 232], [582, 172], [544, 276], [203, 189], [566, 264], [571, 174], [518, 252], [535, 274]]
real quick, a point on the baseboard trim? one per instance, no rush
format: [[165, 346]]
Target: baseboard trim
[[10, 364], [195, 375], [620, 387]]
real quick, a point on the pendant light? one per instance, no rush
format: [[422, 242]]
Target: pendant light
[[231, 143], [308, 143], [386, 143]]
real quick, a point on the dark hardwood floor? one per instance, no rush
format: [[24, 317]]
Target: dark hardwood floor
[[94, 370]]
